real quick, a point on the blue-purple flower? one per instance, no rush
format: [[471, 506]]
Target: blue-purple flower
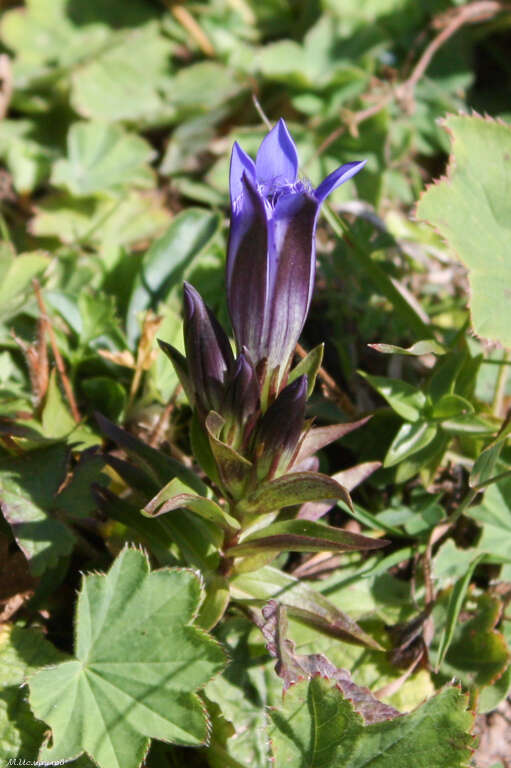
[[271, 254]]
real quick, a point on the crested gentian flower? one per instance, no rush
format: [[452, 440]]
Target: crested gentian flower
[[271, 254]]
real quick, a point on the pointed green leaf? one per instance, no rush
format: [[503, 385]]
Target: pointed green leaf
[[471, 209], [320, 437], [138, 664], [233, 468], [309, 366], [407, 401], [302, 602], [176, 495], [425, 347], [410, 439], [303, 536], [295, 488], [451, 407]]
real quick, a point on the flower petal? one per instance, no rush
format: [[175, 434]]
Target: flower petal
[[240, 163], [277, 158], [247, 270], [337, 178], [292, 260]]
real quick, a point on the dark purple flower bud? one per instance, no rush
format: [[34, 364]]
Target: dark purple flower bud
[[277, 436], [208, 351], [271, 254], [241, 398]]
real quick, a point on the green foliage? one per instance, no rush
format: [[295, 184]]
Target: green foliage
[[131, 679], [471, 210], [114, 152], [317, 726]]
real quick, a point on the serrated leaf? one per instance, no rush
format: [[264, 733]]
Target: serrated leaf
[[101, 220], [22, 651], [28, 485], [17, 273], [124, 81], [138, 664], [403, 398], [303, 536], [103, 158], [317, 726], [292, 666], [471, 209], [164, 263]]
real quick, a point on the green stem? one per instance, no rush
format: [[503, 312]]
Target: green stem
[[500, 385]]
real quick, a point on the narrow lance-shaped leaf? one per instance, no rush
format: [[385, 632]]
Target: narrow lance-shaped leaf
[[176, 495], [138, 662], [302, 602], [294, 488], [303, 536]]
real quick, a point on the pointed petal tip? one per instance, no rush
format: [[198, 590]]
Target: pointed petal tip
[[277, 157], [338, 177], [241, 164]]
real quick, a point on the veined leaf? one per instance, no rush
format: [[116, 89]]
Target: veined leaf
[[403, 398], [471, 209], [317, 726], [176, 495], [138, 663], [294, 488], [410, 439], [303, 536]]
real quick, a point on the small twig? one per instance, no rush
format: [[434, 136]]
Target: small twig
[[5, 84], [56, 354], [341, 397], [354, 121], [185, 18], [261, 112], [163, 420], [465, 14], [500, 386]]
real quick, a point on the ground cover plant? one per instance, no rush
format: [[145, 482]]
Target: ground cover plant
[[255, 471]]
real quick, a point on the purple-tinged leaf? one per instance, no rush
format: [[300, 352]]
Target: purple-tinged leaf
[[320, 437], [181, 368], [294, 488], [233, 468], [303, 603], [349, 478], [177, 495], [292, 667], [303, 536]]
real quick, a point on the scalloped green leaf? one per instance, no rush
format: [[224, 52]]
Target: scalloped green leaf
[[22, 651], [138, 664], [317, 727], [102, 157], [471, 209]]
